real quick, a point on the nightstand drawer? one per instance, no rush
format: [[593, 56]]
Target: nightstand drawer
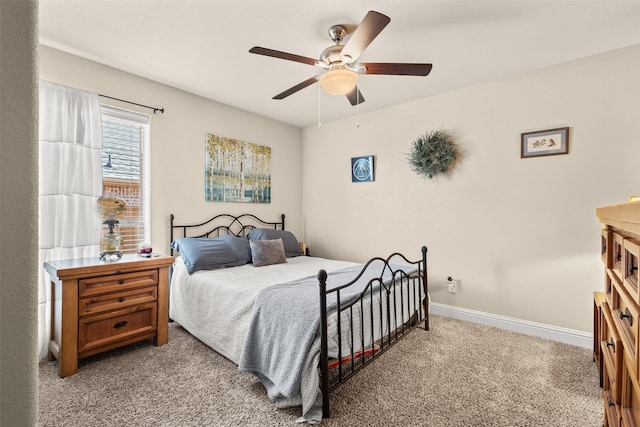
[[117, 282], [99, 306], [116, 301], [104, 329]]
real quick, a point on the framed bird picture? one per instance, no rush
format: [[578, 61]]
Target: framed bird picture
[[545, 143]]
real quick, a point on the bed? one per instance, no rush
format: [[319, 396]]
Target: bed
[[303, 325]]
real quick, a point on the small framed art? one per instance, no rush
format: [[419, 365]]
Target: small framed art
[[362, 169], [545, 143]]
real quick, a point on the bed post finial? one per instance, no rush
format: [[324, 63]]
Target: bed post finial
[[282, 216]]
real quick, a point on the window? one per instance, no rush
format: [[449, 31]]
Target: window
[[125, 141]]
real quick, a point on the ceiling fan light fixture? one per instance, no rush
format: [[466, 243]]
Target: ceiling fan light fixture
[[341, 61], [338, 80]]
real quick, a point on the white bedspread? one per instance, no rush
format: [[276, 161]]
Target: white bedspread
[[215, 306]]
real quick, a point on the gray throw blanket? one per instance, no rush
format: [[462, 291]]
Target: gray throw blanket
[[286, 320]]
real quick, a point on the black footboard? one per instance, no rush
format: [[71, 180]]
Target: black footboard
[[359, 331]]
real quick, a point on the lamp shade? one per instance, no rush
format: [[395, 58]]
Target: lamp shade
[[110, 208], [338, 81]]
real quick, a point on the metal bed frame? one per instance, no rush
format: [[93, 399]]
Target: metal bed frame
[[239, 225], [410, 312], [333, 374]]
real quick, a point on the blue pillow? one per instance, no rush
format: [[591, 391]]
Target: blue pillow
[[291, 245], [210, 254]]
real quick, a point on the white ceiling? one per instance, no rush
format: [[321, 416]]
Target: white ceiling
[[202, 46]]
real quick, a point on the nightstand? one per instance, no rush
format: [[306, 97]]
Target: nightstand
[[98, 306]]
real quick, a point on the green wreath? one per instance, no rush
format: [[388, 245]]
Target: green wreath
[[432, 153]]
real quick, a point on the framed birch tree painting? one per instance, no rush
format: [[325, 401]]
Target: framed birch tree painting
[[236, 171]]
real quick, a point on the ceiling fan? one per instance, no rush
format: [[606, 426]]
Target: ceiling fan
[[340, 61]]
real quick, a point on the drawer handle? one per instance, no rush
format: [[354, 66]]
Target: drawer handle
[[627, 315], [618, 256], [120, 324], [121, 299], [121, 281], [632, 268], [612, 344], [610, 403]]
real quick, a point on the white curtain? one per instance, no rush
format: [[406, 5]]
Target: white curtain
[[70, 184]]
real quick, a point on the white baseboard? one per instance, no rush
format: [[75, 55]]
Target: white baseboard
[[554, 333]]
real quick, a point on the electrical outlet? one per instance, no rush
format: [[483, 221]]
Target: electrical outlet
[[452, 285]]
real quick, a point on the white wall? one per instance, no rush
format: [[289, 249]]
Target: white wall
[[177, 143], [520, 234], [18, 213]]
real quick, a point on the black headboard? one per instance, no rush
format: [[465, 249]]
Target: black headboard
[[239, 225]]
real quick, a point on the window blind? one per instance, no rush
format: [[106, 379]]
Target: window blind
[[125, 137]]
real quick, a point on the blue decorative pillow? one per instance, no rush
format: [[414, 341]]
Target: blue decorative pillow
[[210, 254], [291, 244], [267, 252]]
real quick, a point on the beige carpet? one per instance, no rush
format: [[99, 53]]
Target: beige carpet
[[457, 374]]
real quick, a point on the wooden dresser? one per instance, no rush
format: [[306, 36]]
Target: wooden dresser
[[98, 305], [618, 332]]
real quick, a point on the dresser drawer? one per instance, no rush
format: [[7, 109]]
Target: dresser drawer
[[117, 282], [611, 410], [609, 279], [108, 328], [625, 316], [116, 301], [616, 254], [612, 353], [630, 408], [606, 246], [631, 252]]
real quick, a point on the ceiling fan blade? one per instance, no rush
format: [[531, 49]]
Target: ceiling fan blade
[[282, 55], [296, 88], [396, 69], [372, 24], [355, 96]]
